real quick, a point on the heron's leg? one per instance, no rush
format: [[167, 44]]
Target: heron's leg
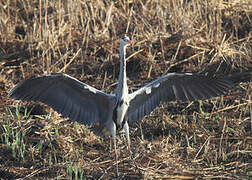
[[126, 129], [116, 156], [113, 135]]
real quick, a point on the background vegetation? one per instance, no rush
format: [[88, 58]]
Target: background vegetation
[[204, 139]]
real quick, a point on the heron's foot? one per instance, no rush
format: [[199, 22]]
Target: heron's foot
[[117, 171], [134, 162]]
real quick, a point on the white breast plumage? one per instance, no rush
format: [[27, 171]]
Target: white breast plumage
[[121, 111]]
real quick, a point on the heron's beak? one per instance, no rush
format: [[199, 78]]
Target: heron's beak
[[131, 43]]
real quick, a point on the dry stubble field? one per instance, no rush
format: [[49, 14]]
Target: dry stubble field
[[204, 139]]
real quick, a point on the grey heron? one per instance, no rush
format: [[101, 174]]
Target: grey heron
[[112, 112]]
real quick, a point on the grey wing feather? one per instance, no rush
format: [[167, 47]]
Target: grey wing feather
[[172, 87], [68, 96]]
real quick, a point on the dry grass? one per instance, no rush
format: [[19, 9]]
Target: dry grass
[[209, 139]]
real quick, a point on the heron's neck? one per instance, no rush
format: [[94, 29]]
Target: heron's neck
[[122, 88]]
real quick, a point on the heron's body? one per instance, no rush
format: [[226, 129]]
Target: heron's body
[[87, 105], [122, 103]]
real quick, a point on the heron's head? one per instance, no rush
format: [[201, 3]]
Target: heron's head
[[125, 41]]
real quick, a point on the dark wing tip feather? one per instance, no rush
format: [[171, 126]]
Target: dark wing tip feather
[[25, 90]]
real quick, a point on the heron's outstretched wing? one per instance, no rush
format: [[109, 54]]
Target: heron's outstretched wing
[[68, 96], [172, 87]]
